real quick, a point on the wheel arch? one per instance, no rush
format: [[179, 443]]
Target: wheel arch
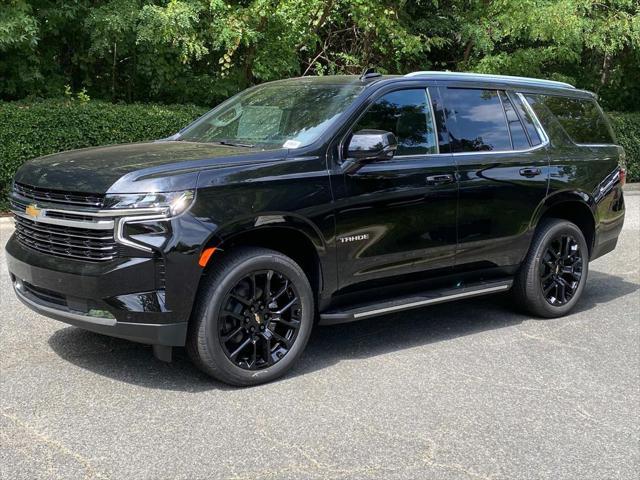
[[290, 235], [576, 207]]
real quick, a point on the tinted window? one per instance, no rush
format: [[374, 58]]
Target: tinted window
[[550, 123], [518, 136], [532, 133], [581, 119], [476, 120], [406, 114]]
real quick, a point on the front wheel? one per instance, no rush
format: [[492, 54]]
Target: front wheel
[[553, 275], [253, 317]]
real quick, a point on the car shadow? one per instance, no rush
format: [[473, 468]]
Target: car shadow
[[134, 363]]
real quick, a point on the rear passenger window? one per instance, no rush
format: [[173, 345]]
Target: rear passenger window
[[581, 119], [476, 120], [532, 132], [407, 114], [518, 135]]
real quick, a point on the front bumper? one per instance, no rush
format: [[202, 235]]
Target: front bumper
[[123, 298]]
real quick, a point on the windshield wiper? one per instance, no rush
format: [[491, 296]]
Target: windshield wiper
[[234, 144]]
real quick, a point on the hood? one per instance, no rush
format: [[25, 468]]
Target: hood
[[135, 167]]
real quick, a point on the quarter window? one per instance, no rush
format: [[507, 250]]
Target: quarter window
[[476, 120], [407, 114], [581, 119], [557, 134]]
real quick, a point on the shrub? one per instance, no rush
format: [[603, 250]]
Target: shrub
[[29, 130], [627, 128]]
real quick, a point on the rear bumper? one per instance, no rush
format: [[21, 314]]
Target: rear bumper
[[608, 231], [120, 298]]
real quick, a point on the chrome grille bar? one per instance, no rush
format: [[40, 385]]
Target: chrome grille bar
[[65, 241], [55, 196]]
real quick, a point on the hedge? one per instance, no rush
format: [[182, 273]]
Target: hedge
[[627, 129], [29, 130]]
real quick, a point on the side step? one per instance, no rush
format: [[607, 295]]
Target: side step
[[432, 297]]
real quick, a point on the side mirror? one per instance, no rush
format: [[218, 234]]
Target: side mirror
[[372, 145]]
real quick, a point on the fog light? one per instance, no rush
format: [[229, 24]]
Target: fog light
[[100, 313]]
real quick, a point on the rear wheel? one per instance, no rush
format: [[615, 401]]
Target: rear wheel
[[253, 317], [553, 275]]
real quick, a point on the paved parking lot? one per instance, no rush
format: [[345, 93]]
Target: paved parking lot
[[469, 390]]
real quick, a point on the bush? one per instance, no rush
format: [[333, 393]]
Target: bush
[[29, 130], [627, 128]]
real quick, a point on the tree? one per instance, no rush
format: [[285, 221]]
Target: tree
[[202, 51]]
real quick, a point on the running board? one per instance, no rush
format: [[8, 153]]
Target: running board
[[333, 317]]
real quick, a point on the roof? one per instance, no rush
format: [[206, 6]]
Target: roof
[[522, 82], [491, 78]]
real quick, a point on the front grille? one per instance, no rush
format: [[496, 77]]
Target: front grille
[[63, 241], [58, 196]]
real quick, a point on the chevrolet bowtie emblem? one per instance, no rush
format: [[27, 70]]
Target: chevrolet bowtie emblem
[[32, 210]]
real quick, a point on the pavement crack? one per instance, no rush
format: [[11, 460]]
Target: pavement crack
[[555, 343], [90, 470]]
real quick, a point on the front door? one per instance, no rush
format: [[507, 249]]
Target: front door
[[397, 217]]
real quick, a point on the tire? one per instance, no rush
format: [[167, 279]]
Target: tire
[[221, 308], [541, 280]]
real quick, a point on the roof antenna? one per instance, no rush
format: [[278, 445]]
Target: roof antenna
[[369, 72]]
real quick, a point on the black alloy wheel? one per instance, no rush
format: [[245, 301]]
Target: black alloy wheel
[[260, 319], [253, 316], [561, 270], [553, 275]]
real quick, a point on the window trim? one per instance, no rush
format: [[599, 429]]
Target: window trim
[[341, 143], [512, 102], [433, 120], [506, 118], [514, 99]]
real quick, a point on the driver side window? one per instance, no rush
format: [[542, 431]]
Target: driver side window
[[406, 114]]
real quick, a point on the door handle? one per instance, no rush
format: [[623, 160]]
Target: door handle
[[439, 179], [530, 172]]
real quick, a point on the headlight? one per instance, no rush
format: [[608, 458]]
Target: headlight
[[167, 203], [139, 217]]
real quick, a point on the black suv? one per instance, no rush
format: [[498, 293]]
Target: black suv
[[321, 200]]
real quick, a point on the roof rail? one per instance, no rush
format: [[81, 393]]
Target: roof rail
[[498, 78]]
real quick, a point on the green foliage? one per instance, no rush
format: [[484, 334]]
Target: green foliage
[[32, 129], [627, 129], [201, 51], [592, 44]]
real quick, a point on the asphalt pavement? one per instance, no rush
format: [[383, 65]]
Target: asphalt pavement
[[467, 390]]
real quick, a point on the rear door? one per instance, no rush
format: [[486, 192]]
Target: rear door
[[503, 171], [397, 217]]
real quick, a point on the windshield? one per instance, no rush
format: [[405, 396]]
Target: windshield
[[277, 115]]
